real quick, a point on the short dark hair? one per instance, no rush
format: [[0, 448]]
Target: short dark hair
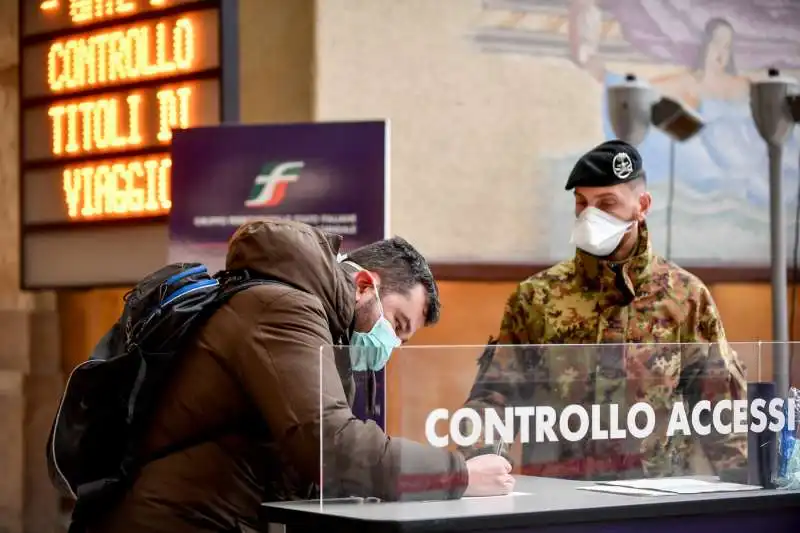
[[401, 267], [639, 183]]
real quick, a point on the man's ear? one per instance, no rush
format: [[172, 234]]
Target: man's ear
[[645, 203], [364, 281]]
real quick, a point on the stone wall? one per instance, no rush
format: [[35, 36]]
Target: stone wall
[[30, 372]]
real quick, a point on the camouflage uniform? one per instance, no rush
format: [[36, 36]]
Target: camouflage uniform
[[625, 308]]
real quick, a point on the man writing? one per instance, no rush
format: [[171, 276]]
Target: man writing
[[613, 310], [260, 373]]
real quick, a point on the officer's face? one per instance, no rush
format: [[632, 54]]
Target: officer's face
[[624, 201]]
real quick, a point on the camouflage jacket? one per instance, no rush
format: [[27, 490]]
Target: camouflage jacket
[[593, 332]]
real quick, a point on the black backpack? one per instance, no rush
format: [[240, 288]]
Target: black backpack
[[92, 451]]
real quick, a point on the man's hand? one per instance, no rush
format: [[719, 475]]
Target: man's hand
[[489, 475]]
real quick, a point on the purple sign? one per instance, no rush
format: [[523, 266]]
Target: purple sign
[[330, 175]]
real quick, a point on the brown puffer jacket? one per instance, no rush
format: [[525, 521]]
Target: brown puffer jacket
[[256, 368]]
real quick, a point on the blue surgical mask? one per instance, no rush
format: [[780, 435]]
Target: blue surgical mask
[[371, 350]]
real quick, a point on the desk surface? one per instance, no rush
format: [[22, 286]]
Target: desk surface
[[553, 501]]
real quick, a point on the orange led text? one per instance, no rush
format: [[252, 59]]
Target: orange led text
[[93, 10], [96, 125], [144, 51], [115, 123], [89, 10], [173, 111], [125, 188], [48, 5]]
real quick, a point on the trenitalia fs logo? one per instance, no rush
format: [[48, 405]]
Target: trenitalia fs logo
[[269, 187]]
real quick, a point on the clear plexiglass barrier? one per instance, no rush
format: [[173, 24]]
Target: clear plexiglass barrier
[[698, 414]]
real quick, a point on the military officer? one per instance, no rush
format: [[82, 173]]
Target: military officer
[[630, 327]]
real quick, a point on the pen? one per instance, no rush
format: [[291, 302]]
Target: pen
[[351, 500], [498, 448]]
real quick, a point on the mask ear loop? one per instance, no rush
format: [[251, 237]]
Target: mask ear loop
[[377, 295], [362, 269]]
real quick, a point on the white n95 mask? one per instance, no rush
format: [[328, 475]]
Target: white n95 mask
[[598, 233]]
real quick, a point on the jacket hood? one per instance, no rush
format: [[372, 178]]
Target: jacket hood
[[301, 256]]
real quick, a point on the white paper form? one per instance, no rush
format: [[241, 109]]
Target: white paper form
[[681, 485], [499, 496], [626, 491]]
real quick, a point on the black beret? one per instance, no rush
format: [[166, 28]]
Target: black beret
[[606, 164]]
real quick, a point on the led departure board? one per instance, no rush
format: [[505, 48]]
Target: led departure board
[[103, 83]]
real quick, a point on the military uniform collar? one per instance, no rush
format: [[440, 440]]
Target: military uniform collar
[[601, 274]]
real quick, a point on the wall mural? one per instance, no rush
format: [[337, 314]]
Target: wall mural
[[704, 52]]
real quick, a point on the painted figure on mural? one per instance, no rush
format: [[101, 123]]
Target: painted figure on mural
[[585, 28], [726, 166], [714, 76], [704, 54], [716, 89], [585, 32]]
